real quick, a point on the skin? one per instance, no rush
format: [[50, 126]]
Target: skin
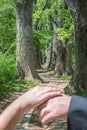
[[31, 99], [54, 108]]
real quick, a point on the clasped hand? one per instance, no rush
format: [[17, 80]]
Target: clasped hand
[[54, 108]]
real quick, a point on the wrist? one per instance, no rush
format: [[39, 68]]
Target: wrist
[[18, 105], [23, 105]]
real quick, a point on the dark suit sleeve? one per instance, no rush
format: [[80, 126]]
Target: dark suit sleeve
[[77, 115]]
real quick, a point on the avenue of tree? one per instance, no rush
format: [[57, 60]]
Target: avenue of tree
[[44, 32]]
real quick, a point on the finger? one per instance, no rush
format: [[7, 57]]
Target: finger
[[46, 97], [47, 118], [49, 95], [43, 113], [51, 89], [40, 107], [46, 89]]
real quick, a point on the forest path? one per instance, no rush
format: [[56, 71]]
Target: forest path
[[48, 77], [30, 120]]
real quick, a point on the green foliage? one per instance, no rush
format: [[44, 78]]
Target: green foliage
[[7, 24], [7, 41], [10, 87], [7, 68], [83, 94], [65, 77], [64, 34], [41, 38], [67, 29], [42, 10], [42, 34]]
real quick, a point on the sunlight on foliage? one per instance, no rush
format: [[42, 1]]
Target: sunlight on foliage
[[64, 34], [7, 68], [65, 31]]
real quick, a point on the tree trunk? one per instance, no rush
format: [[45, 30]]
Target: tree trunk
[[25, 51], [68, 59], [37, 51], [78, 10], [61, 56], [37, 58], [54, 45], [60, 61], [48, 56], [63, 62]]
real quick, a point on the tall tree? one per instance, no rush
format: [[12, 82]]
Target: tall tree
[[61, 51], [25, 51], [78, 10]]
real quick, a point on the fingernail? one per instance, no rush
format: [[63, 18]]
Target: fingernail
[[60, 93]]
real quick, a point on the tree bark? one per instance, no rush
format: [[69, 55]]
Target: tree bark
[[63, 63], [60, 61], [37, 57], [68, 59], [25, 51], [78, 10], [48, 55], [54, 45]]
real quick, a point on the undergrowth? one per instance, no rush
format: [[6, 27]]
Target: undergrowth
[[10, 87], [65, 77]]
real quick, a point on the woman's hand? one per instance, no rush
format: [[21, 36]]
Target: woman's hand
[[37, 96]]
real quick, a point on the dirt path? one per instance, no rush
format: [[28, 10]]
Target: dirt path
[[49, 78]]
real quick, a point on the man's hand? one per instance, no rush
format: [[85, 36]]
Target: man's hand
[[54, 108]]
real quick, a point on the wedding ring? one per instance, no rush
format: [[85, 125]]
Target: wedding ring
[[45, 113]]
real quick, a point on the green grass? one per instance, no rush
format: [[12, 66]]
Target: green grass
[[65, 78], [83, 94], [10, 87]]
